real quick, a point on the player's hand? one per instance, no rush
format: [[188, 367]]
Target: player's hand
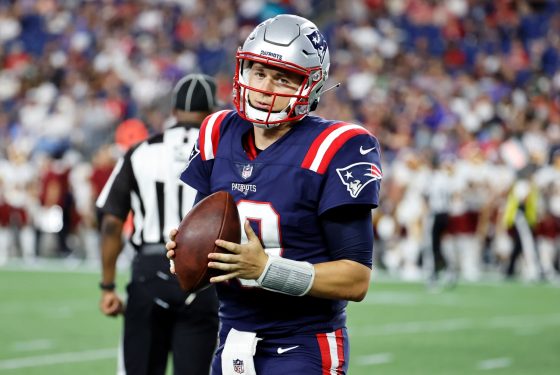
[[170, 246], [111, 304], [247, 261]]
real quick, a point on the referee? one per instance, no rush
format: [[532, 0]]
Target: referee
[[159, 317]]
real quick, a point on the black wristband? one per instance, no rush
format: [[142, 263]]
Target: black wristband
[[107, 287]]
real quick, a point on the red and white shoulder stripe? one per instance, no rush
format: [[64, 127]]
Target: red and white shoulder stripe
[[327, 143], [209, 135]]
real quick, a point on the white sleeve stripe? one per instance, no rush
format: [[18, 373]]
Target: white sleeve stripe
[[208, 145], [102, 199], [327, 142]]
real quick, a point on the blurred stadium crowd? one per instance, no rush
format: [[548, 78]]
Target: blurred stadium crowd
[[464, 96]]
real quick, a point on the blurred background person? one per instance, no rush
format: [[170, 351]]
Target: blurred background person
[[520, 218], [17, 199], [547, 230], [56, 211], [438, 193], [467, 218], [410, 177]]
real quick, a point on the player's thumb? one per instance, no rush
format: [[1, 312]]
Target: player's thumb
[[251, 236]]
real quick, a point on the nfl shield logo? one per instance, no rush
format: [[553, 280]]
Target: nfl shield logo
[[238, 366], [247, 171]]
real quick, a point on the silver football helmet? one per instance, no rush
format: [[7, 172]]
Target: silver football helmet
[[287, 42]]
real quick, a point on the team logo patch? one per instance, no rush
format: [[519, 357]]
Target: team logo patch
[[194, 153], [319, 43], [357, 176], [246, 171], [238, 366]]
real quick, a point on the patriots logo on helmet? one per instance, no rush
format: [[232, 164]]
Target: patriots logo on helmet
[[356, 176], [319, 43]]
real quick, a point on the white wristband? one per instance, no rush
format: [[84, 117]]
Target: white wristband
[[287, 276]]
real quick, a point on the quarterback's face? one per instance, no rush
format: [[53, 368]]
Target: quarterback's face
[[275, 81]]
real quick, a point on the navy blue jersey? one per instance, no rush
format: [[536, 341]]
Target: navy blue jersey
[[318, 165]]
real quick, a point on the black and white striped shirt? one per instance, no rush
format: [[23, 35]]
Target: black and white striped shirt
[[146, 181]]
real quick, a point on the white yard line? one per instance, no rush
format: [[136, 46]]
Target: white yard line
[[524, 320], [411, 299], [32, 345], [412, 327], [59, 358], [493, 363], [515, 322], [50, 307], [53, 266], [374, 359]]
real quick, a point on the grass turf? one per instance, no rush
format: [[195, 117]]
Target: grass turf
[[50, 324]]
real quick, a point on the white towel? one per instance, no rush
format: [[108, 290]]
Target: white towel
[[239, 349]]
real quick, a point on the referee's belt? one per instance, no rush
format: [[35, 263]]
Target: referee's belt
[[152, 249]]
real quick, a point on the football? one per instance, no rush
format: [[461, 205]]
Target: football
[[214, 217]]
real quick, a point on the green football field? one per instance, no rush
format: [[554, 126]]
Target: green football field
[[50, 324]]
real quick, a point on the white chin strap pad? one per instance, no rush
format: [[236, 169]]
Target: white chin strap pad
[[255, 114]]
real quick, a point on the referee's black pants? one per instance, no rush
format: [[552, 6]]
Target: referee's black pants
[[158, 321], [439, 226]]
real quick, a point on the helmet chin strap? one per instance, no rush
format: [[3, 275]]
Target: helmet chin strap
[[264, 126]]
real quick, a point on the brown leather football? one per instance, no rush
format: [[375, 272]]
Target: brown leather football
[[214, 217]]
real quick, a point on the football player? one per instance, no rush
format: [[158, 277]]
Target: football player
[[304, 187]]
